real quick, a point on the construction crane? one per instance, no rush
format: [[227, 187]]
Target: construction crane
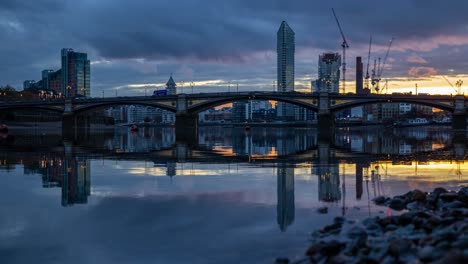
[[344, 45], [386, 56], [378, 69], [368, 61], [458, 84]]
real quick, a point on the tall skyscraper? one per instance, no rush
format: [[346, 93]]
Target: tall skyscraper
[[329, 72], [76, 72], [285, 50]]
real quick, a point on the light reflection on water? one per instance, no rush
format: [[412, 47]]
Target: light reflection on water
[[236, 196]]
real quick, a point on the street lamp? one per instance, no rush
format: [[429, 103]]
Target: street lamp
[[68, 90]]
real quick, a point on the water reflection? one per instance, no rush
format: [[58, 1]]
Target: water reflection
[[285, 204], [403, 141], [261, 187], [68, 166], [73, 176]]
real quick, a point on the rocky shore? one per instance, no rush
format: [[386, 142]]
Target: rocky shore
[[432, 229]]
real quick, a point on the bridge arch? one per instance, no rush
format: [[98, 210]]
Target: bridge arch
[[88, 107], [213, 102], [431, 103], [31, 108]]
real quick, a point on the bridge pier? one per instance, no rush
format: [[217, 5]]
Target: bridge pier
[[325, 125], [68, 125], [186, 128], [459, 113], [459, 145], [459, 120], [325, 118]]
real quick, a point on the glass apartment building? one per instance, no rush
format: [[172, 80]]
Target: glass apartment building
[[285, 74], [76, 73]]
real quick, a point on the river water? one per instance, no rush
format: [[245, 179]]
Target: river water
[[235, 196]]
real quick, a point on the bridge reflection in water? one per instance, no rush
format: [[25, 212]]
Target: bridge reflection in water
[[365, 154]]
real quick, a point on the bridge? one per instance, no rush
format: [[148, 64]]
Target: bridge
[[187, 106]]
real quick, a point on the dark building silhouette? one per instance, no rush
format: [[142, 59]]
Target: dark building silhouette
[[285, 205], [359, 76], [359, 175], [72, 175]]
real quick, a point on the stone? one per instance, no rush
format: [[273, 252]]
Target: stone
[[405, 218], [332, 248], [379, 200], [398, 247], [357, 232], [282, 261], [314, 249], [397, 204], [434, 230], [453, 257], [339, 220], [415, 206], [461, 243], [340, 259], [428, 253], [439, 190], [432, 198], [391, 228], [453, 204], [463, 195], [323, 210], [333, 228], [448, 197]]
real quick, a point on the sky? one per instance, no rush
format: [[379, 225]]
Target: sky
[[215, 45]]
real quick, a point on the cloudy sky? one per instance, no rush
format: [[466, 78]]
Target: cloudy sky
[[218, 44]]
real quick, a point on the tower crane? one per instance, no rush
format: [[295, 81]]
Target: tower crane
[[377, 72], [344, 45], [386, 57], [368, 61], [458, 84]]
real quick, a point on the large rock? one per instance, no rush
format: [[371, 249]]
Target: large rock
[[397, 203]]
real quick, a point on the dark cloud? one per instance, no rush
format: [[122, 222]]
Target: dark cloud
[[219, 39]]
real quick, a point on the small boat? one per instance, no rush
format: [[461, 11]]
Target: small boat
[[134, 128], [4, 128]]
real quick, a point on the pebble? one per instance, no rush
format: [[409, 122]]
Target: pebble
[[433, 230], [323, 210]]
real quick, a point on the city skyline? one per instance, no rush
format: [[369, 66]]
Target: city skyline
[[232, 43]]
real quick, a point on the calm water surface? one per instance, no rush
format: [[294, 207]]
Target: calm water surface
[[234, 196]]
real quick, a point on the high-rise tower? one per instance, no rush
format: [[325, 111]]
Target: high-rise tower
[[329, 72], [285, 50], [76, 73]]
